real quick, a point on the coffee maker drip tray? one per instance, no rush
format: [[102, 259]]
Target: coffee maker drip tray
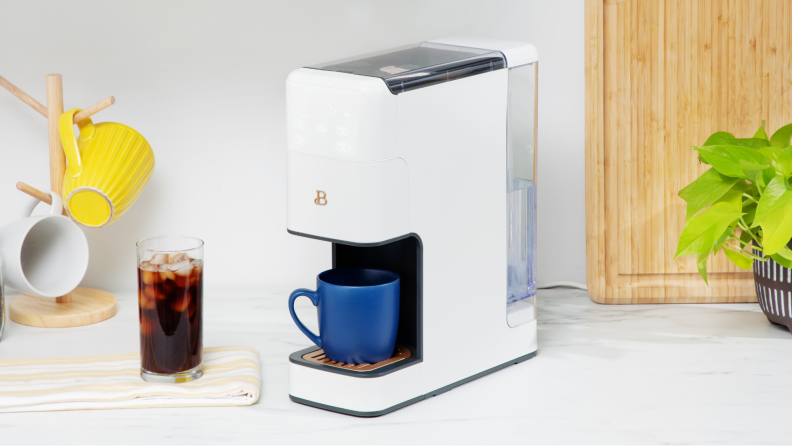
[[319, 357]]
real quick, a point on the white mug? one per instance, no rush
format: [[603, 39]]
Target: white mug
[[46, 255]]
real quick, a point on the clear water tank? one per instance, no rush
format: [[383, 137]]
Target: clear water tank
[[521, 196]]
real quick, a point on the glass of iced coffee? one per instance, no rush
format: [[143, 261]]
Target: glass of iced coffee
[[170, 303]]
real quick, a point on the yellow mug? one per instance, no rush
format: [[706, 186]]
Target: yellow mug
[[108, 169]]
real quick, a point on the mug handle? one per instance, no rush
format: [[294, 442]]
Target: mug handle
[[69, 140], [57, 205], [315, 299]]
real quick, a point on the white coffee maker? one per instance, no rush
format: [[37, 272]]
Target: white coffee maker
[[421, 160]]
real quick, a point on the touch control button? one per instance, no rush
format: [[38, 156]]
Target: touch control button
[[342, 130], [343, 146], [321, 128]]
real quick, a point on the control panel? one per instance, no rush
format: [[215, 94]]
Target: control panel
[[328, 122]]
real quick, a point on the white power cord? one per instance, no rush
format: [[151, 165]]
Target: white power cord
[[579, 286]]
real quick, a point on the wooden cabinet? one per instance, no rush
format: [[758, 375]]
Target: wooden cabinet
[[661, 76]]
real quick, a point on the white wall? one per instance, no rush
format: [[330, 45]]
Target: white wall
[[203, 81]]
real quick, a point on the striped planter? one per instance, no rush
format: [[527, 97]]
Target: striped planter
[[774, 291]]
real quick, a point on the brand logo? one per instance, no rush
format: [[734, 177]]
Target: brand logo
[[321, 198]]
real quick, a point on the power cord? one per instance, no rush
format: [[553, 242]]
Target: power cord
[[579, 286]]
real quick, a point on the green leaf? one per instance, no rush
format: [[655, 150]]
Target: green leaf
[[734, 161], [741, 260], [781, 161], [781, 137], [758, 173], [733, 197], [762, 180], [701, 264], [743, 185], [785, 252], [707, 188], [729, 232], [786, 263], [719, 138], [745, 238], [727, 139], [774, 215], [761, 134], [754, 143], [750, 213], [702, 231], [783, 257], [775, 195]]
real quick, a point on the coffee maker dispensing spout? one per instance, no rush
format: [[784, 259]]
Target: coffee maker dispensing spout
[[421, 160]]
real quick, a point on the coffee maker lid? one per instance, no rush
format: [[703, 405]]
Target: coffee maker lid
[[419, 65]]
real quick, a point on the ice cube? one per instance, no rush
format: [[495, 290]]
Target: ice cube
[[183, 276], [147, 266], [149, 292], [180, 257], [159, 259], [184, 266], [165, 267], [181, 281], [167, 275], [146, 303], [148, 277]]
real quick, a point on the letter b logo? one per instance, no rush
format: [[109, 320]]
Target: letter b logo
[[321, 198]]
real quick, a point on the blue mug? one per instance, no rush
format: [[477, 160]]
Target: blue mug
[[358, 314]]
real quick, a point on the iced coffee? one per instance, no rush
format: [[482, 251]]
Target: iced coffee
[[170, 303]]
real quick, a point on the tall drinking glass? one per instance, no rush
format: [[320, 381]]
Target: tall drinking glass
[[170, 302]]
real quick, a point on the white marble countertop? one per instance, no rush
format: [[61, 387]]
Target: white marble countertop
[[603, 374]]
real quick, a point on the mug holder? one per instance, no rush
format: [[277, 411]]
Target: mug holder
[[82, 306], [318, 357]]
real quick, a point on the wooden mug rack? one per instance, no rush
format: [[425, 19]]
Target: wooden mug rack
[[83, 306]]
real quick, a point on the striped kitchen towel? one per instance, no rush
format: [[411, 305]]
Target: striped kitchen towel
[[232, 377]]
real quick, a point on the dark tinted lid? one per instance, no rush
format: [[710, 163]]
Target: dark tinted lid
[[421, 65]]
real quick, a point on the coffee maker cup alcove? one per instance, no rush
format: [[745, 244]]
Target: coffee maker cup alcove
[[421, 160]]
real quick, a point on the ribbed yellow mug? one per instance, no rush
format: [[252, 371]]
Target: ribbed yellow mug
[[108, 169]]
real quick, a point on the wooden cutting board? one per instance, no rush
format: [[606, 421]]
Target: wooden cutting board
[[662, 75]]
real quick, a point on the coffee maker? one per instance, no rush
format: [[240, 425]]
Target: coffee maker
[[421, 160]]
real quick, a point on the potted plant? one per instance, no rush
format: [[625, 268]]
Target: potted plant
[[743, 205]]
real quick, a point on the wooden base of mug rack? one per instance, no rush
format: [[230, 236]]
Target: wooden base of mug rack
[[87, 306]]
